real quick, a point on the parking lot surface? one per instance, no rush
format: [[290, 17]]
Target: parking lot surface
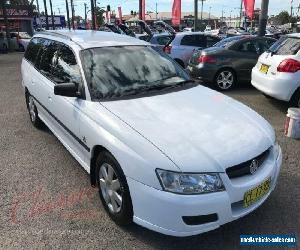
[[46, 201]]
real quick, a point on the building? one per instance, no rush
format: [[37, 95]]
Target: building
[[19, 18]]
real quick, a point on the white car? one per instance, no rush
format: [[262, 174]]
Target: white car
[[166, 153], [277, 72]]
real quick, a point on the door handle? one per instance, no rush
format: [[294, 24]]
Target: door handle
[[50, 98]]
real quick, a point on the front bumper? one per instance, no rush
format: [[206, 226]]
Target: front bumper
[[163, 211]]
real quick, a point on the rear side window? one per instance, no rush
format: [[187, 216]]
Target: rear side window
[[32, 50], [163, 40], [249, 46], [286, 46], [194, 40], [210, 41]]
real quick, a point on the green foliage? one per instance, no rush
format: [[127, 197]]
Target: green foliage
[[99, 14], [284, 17]]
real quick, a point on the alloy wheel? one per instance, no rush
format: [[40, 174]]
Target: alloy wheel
[[225, 80], [110, 188], [31, 108]]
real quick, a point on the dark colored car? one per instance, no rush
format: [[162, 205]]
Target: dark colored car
[[228, 61]]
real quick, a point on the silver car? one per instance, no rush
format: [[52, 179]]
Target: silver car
[[185, 43]]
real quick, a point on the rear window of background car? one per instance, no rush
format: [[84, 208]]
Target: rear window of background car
[[194, 40], [286, 46]]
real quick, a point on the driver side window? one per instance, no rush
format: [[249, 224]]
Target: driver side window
[[66, 68], [249, 46]]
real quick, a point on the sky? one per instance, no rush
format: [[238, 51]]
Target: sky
[[228, 6]]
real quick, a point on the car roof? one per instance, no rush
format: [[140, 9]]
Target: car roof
[[294, 34], [91, 39]]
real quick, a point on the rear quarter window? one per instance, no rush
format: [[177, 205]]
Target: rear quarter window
[[286, 46]]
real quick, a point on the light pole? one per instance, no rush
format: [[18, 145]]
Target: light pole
[[195, 14], [202, 10], [46, 15], [68, 14], [52, 17], [263, 18]]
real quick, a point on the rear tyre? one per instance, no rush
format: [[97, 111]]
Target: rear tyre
[[225, 79], [33, 112], [4, 48], [295, 101], [113, 189]]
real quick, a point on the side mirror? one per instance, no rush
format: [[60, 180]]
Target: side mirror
[[67, 89]]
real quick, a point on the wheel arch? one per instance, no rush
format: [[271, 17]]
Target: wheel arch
[[96, 150]]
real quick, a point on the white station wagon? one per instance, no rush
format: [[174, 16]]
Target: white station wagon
[[166, 153]]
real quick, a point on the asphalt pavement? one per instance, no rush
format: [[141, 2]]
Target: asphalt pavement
[[46, 201]]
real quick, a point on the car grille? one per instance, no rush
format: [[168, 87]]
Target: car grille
[[244, 168]]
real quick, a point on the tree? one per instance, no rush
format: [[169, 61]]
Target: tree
[[99, 15], [283, 17]]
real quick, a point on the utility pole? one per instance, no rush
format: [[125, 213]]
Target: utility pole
[[209, 13], [140, 9], [241, 12], [72, 13], [52, 17], [38, 7], [93, 15], [46, 15], [85, 15], [58, 10], [195, 14], [68, 14], [156, 11], [201, 10], [263, 18], [6, 25], [292, 8]]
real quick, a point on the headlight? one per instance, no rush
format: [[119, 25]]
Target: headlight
[[185, 183]]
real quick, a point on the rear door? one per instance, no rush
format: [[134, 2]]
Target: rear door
[[246, 56]]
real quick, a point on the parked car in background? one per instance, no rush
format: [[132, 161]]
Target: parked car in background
[[3, 43], [21, 39], [184, 44], [228, 62], [277, 72]]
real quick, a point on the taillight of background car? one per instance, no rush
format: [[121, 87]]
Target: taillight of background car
[[289, 66], [206, 59], [168, 49]]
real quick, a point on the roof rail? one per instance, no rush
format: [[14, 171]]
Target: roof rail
[[53, 33]]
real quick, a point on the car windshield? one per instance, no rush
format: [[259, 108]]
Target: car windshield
[[227, 41], [118, 72], [286, 46]]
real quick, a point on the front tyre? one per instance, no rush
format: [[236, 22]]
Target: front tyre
[[225, 79], [33, 112], [113, 189]]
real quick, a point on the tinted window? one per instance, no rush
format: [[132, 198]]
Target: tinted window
[[265, 44], [286, 46], [210, 41], [66, 68], [47, 62], [249, 46], [115, 72], [163, 40], [227, 41], [194, 40], [32, 50]]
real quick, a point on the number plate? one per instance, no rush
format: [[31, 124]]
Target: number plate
[[257, 193], [264, 68]]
